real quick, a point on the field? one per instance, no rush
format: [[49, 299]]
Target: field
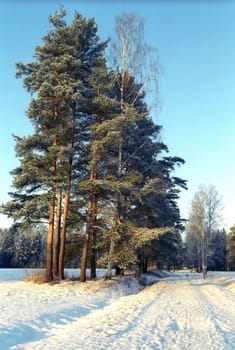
[[179, 312]]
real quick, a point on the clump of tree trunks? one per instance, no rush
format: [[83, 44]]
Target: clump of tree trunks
[[95, 165], [206, 243]]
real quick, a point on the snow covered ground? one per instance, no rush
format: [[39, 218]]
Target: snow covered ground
[[180, 312]]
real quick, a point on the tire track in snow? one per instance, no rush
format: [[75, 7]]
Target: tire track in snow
[[174, 315], [220, 303], [195, 321]]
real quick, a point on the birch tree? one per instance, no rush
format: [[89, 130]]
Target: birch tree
[[203, 220], [140, 150]]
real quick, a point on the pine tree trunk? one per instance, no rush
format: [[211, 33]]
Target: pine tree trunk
[[93, 241], [51, 228], [89, 228], [49, 252], [67, 197], [87, 239], [56, 245], [93, 256], [111, 251], [145, 265], [119, 271], [63, 235]]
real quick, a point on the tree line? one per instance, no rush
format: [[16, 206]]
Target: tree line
[[22, 248], [25, 248], [94, 171]]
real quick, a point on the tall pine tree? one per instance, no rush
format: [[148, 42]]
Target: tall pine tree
[[50, 158]]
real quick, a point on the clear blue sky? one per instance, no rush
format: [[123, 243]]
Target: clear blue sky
[[196, 45]]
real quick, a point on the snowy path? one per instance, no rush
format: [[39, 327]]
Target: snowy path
[[178, 313]]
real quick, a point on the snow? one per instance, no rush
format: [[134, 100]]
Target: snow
[[179, 312]]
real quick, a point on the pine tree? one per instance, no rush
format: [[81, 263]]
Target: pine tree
[[140, 173], [150, 199], [102, 108], [7, 248], [217, 251], [168, 251], [130, 192], [50, 158]]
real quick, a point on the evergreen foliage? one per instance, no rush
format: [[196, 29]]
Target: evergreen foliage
[[22, 248], [94, 169], [231, 249], [217, 251]]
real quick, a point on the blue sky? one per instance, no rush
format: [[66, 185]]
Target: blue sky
[[195, 42]]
